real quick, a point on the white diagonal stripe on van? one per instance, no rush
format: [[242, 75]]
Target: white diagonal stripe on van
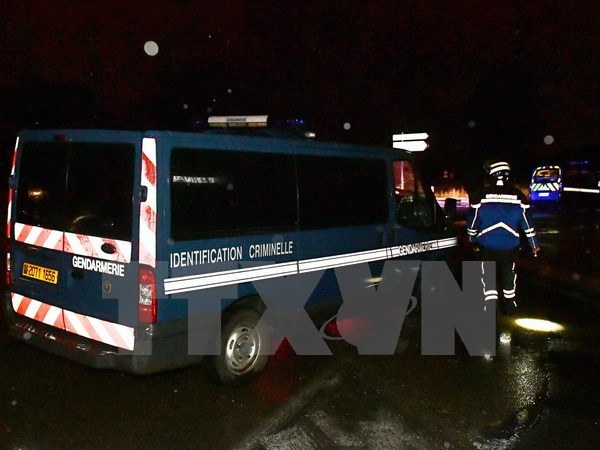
[[124, 249], [41, 237], [54, 240], [53, 315], [77, 244], [147, 244], [16, 300], [14, 159], [99, 330], [32, 234], [34, 309], [149, 148], [10, 190], [74, 325], [9, 212], [215, 279], [85, 245], [127, 335], [147, 240]]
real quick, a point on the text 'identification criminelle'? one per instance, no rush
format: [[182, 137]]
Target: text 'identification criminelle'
[[226, 254]]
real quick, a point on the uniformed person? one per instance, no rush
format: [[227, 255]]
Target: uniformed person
[[496, 217]]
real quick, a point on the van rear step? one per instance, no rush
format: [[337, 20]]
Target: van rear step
[[166, 352]]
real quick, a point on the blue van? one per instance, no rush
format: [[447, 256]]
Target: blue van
[[113, 234], [571, 182], [546, 184]]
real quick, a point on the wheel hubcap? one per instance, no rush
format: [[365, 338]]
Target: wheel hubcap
[[242, 349]]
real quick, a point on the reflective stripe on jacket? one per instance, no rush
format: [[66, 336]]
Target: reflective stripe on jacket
[[497, 215]]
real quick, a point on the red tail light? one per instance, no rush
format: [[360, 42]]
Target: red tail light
[[147, 296]]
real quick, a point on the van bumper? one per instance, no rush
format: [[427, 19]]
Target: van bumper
[[152, 355]]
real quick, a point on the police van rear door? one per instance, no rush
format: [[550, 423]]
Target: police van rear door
[[73, 226], [38, 282]]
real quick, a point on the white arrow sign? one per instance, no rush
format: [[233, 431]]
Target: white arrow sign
[[411, 146], [410, 137], [413, 142]]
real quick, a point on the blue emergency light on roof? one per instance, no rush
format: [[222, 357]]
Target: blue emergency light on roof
[[413, 142], [238, 121]]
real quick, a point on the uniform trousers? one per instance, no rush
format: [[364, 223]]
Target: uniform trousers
[[504, 276]]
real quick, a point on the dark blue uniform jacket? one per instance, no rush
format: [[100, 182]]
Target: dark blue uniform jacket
[[496, 216]]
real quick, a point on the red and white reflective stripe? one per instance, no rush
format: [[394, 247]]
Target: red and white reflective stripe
[[10, 190], [148, 208], [99, 330], [81, 244], [14, 160], [40, 237], [77, 244], [48, 314]]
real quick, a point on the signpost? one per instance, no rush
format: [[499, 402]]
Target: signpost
[[413, 142]]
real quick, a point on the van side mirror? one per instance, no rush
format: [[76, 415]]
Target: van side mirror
[[450, 207]]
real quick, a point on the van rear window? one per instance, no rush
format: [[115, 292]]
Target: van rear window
[[542, 175], [84, 188]]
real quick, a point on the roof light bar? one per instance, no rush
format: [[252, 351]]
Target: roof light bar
[[237, 121], [413, 142]]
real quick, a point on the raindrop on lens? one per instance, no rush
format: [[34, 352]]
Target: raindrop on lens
[[151, 48]]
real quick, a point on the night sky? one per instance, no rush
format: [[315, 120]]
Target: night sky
[[483, 78]]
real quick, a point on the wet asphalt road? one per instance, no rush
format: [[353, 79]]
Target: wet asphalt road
[[539, 391]]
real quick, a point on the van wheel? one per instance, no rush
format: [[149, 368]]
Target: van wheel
[[244, 348]]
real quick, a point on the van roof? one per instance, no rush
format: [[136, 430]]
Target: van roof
[[268, 141]]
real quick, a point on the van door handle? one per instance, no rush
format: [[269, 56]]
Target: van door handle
[[107, 248]]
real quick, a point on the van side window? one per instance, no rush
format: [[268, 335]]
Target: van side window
[[219, 193], [337, 191], [412, 206]]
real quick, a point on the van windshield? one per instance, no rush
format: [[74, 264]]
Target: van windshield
[[84, 188]]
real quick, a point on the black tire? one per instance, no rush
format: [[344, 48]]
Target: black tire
[[244, 348]]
